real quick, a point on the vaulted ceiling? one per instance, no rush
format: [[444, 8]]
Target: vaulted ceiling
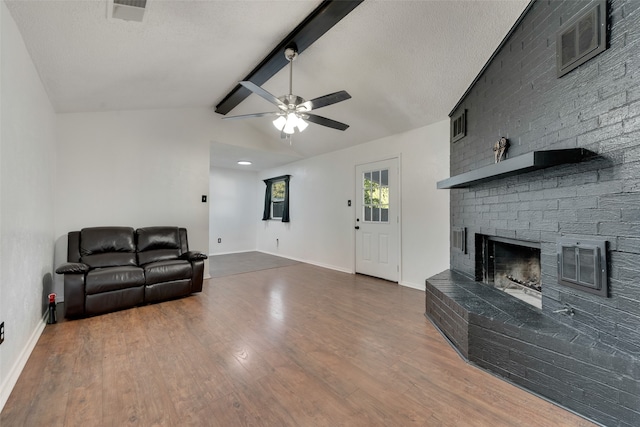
[[405, 63]]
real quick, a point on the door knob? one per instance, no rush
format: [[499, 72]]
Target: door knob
[[357, 227]]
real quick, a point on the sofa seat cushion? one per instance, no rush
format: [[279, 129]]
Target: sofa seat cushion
[[165, 271], [167, 290], [111, 301], [108, 279]]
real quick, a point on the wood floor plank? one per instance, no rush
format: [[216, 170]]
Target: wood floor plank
[[45, 383], [191, 380], [294, 345], [49, 398], [386, 409], [84, 405], [304, 396]]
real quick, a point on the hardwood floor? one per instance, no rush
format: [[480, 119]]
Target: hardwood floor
[[291, 346]]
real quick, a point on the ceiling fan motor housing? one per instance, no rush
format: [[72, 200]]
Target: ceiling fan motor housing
[[291, 53], [293, 103]]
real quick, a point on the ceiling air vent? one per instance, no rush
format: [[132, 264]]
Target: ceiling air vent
[[128, 10]]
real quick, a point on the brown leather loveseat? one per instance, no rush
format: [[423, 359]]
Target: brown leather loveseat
[[111, 268]]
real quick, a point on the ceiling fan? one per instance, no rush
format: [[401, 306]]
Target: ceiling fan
[[293, 111]]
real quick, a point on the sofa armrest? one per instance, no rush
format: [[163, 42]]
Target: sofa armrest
[[73, 268], [74, 294], [194, 256], [198, 275]]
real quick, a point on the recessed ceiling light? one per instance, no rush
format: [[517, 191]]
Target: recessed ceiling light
[[244, 163]]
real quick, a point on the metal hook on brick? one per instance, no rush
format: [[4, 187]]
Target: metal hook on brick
[[566, 310]]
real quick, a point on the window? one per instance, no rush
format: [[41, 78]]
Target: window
[[376, 196], [276, 198]]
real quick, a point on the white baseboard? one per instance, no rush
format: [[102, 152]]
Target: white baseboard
[[412, 285], [235, 252], [16, 370]]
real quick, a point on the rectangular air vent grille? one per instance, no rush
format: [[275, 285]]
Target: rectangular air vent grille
[[128, 10], [459, 239], [582, 264], [132, 3], [582, 38], [459, 126]]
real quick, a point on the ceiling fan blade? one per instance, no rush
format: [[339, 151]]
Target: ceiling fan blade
[[264, 94], [323, 101], [246, 116], [323, 121]]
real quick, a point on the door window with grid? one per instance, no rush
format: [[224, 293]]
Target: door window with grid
[[375, 203]]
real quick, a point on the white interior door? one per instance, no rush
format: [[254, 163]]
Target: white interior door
[[377, 220]]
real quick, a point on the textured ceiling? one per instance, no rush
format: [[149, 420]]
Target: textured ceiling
[[405, 63]]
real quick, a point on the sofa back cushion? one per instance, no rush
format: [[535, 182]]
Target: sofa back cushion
[[158, 244], [107, 246]]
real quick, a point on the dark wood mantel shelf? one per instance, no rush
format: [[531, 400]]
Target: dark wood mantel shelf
[[525, 163]]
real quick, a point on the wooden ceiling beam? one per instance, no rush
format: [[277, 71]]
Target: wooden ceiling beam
[[321, 20]]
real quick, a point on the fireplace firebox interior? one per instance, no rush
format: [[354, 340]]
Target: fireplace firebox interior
[[512, 266]]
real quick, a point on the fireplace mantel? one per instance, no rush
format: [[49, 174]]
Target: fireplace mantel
[[525, 163]]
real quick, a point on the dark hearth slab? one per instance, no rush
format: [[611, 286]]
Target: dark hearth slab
[[519, 342]]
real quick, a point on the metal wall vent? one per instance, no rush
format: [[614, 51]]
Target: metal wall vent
[[128, 10], [582, 264], [459, 239], [459, 126], [582, 38]]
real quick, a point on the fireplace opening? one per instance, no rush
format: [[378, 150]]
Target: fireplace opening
[[513, 266]]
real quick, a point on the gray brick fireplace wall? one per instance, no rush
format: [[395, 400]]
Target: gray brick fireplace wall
[[594, 107]]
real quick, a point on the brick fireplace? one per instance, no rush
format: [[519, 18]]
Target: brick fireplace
[[578, 347]]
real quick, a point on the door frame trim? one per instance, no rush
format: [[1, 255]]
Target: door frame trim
[[397, 156]]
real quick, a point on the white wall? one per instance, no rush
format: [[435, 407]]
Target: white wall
[[235, 207], [27, 160], [321, 230], [133, 168]]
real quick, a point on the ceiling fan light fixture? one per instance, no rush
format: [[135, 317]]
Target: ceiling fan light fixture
[[280, 122], [302, 125], [290, 126]]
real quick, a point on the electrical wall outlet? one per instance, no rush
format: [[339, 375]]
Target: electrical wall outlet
[[219, 239], [1, 332]]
